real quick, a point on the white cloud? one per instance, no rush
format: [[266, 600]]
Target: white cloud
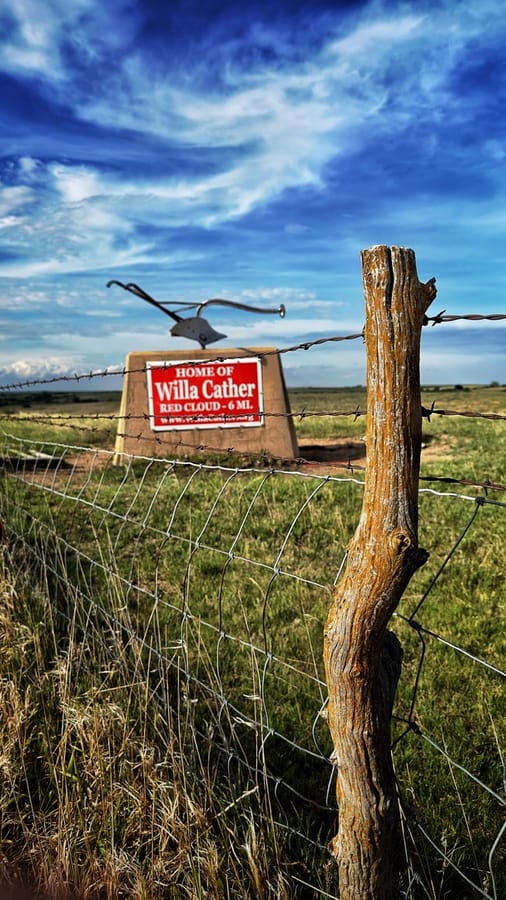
[[89, 256], [11, 221], [39, 367], [12, 198], [256, 131], [35, 45], [373, 37], [75, 183], [285, 330], [326, 365], [285, 123], [28, 165]]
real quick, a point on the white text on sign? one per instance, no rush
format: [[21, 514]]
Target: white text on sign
[[225, 394]]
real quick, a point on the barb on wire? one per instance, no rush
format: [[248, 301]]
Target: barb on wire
[[304, 345], [485, 485], [216, 578], [464, 413], [222, 357], [64, 418], [440, 317], [300, 415]]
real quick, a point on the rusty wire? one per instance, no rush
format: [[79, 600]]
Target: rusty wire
[[121, 370], [132, 523], [268, 459], [439, 318], [299, 415]]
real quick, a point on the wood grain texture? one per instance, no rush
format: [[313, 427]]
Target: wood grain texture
[[362, 658]]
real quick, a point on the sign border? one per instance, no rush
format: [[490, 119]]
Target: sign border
[[194, 425]]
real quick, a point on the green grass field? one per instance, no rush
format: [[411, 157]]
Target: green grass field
[[125, 774]]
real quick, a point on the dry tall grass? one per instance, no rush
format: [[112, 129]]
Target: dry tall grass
[[108, 791]]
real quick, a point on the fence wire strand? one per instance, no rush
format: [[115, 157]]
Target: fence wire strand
[[114, 514], [217, 578]]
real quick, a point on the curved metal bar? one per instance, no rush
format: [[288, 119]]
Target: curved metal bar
[[195, 328], [281, 309], [139, 292]]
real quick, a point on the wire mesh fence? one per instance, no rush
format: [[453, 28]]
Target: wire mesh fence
[[218, 577], [169, 614]]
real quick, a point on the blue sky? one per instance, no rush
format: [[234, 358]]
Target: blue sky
[[249, 151]]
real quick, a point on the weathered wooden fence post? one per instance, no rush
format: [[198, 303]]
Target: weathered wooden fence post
[[362, 658]]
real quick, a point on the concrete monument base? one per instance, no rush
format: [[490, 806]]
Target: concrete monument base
[[186, 403]]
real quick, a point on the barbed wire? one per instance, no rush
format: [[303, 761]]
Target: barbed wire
[[252, 459], [112, 514], [465, 413], [251, 463], [228, 561], [439, 318], [195, 418], [168, 364]]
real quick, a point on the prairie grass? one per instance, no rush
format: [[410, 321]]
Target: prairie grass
[[108, 789], [161, 671]]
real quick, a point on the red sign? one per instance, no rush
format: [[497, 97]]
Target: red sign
[[201, 394]]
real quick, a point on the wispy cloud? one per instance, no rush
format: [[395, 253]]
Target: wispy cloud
[[247, 154]]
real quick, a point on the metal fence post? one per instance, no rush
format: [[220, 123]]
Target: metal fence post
[[362, 658]]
